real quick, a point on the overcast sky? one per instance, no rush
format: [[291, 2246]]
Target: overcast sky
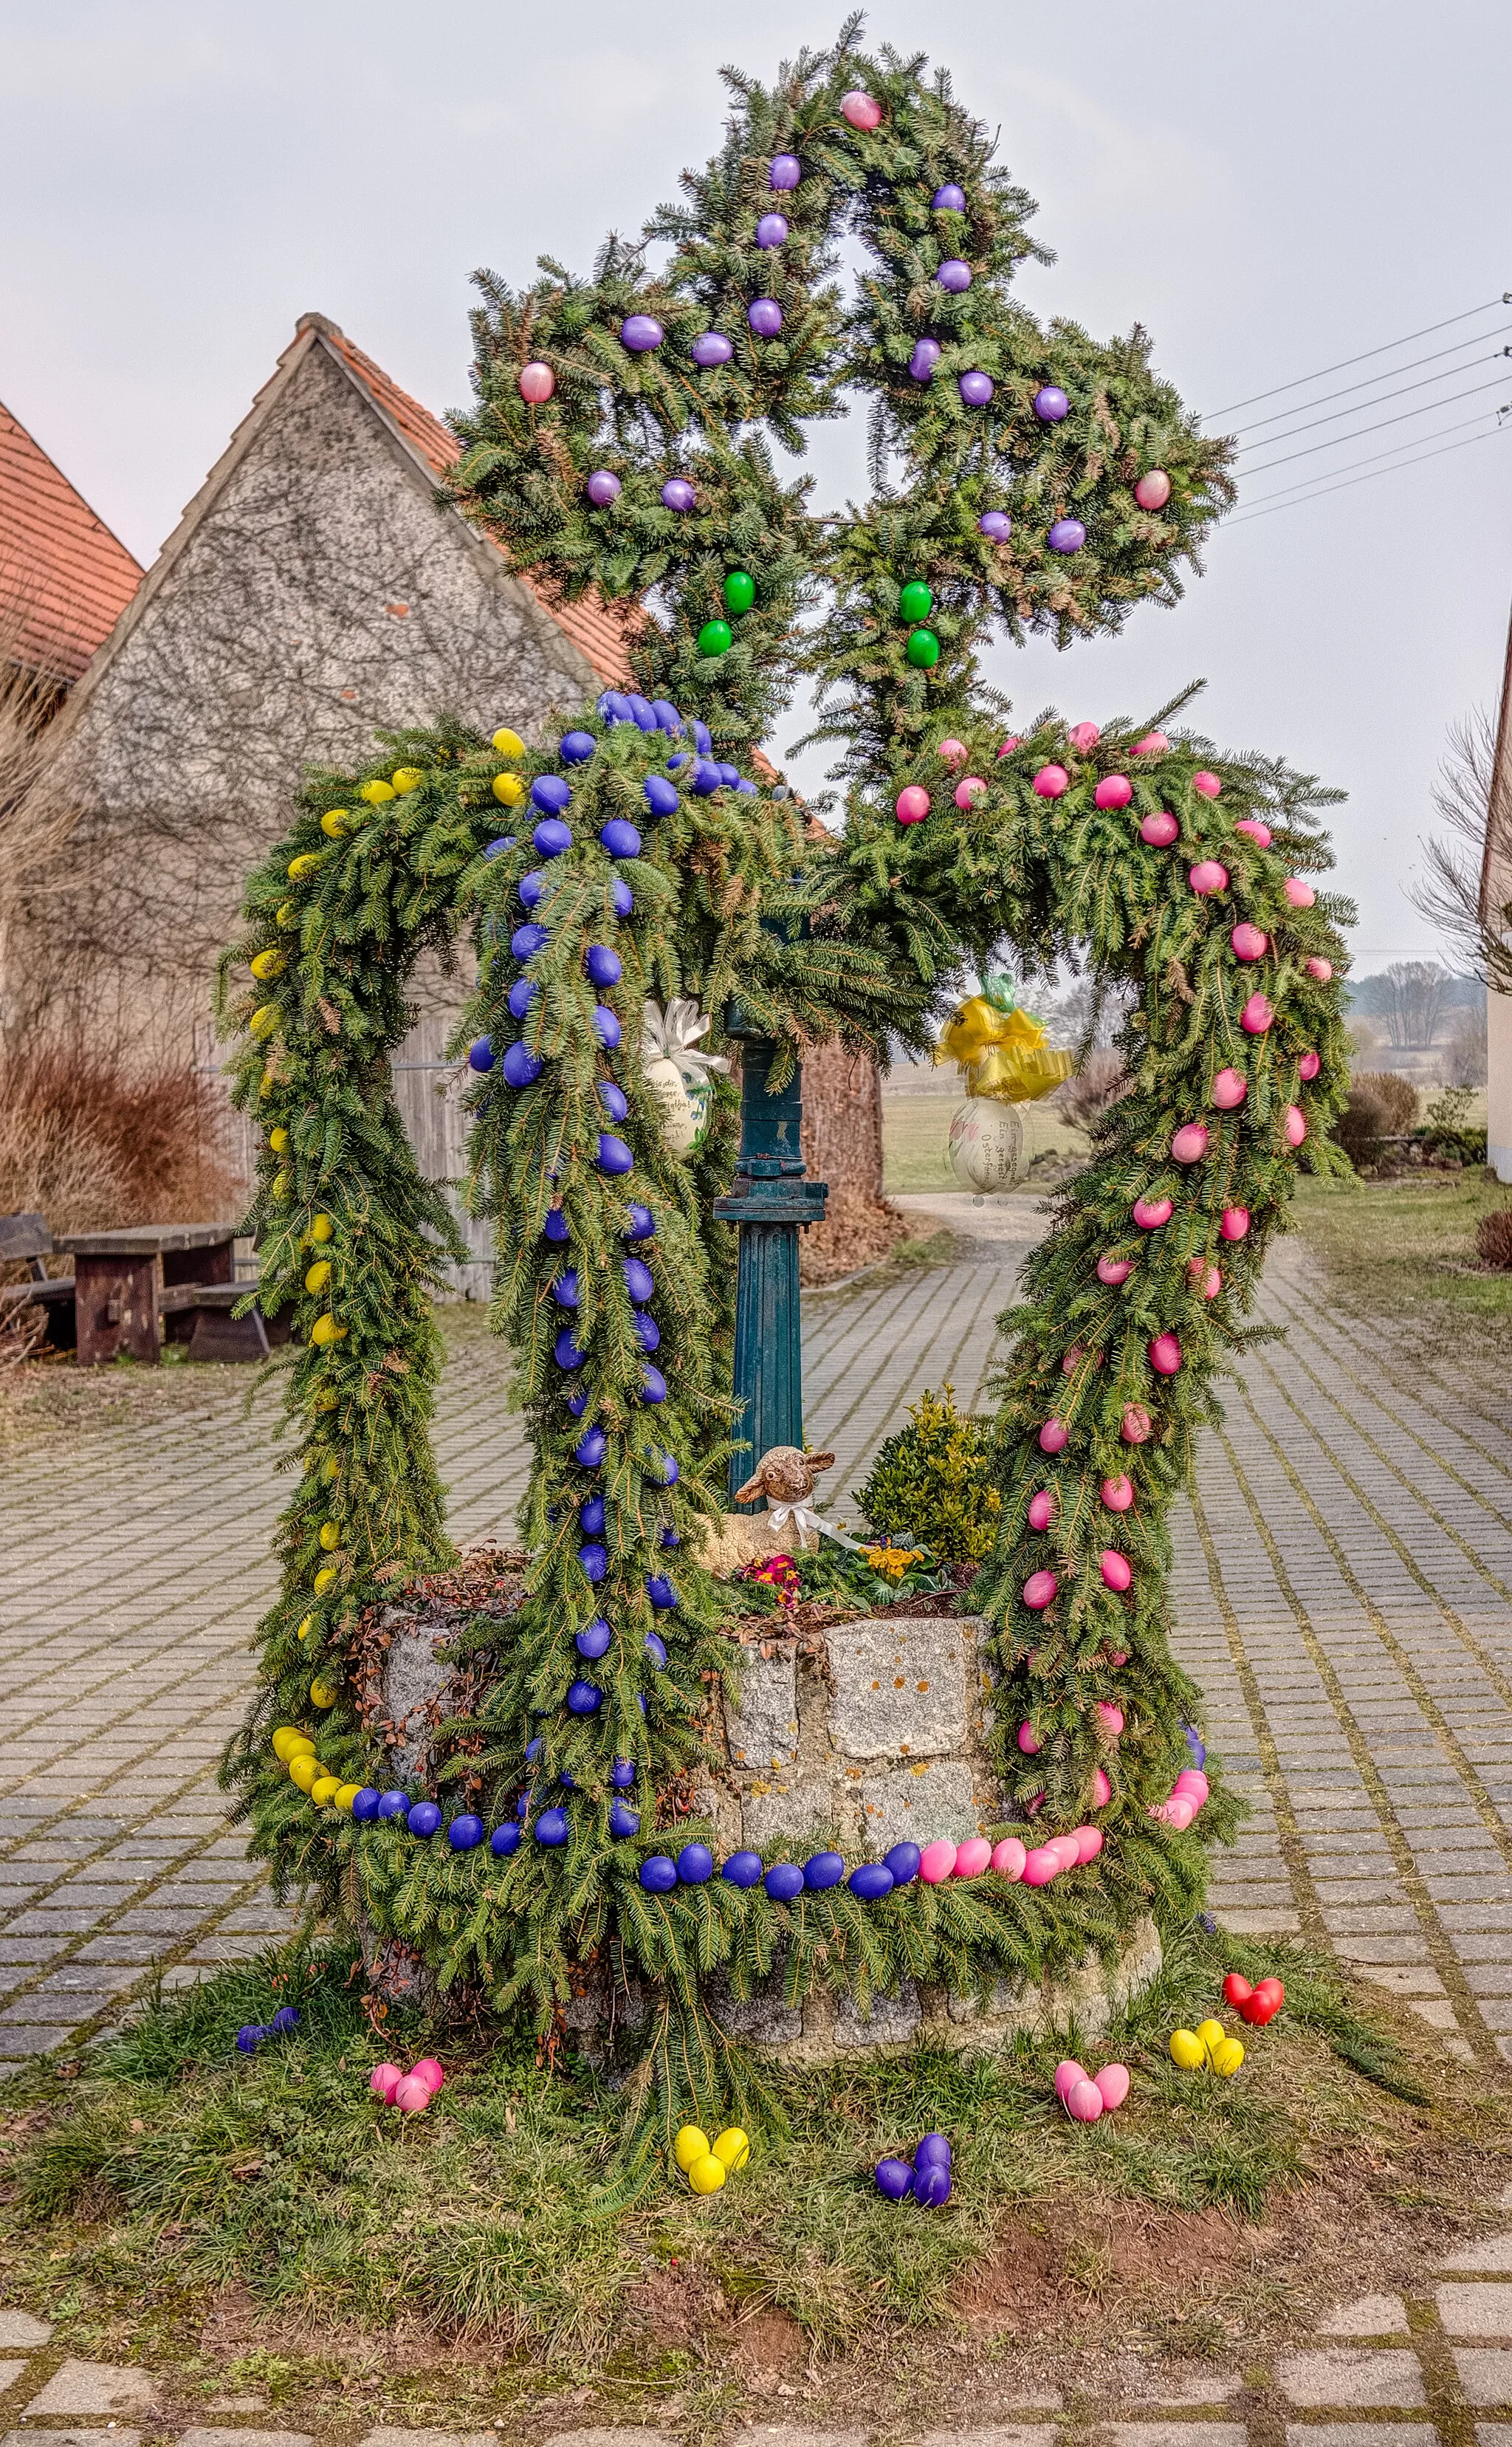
[[1268, 189]]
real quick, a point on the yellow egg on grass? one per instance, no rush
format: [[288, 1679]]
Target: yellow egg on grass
[[303, 1769], [335, 824], [322, 1695], [270, 963], [690, 2144], [322, 1228], [706, 2174], [732, 2148], [281, 1185], [306, 863], [326, 1400], [376, 794], [347, 1795], [1187, 2050], [1211, 2034], [325, 1331], [264, 1019], [508, 743], [286, 1739], [318, 1275], [1228, 2059], [508, 789], [325, 1789], [287, 914]]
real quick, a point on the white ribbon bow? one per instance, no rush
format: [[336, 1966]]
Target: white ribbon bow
[[804, 1519], [675, 1033]]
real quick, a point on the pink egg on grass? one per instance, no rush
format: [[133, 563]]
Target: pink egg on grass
[[1088, 1843], [1153, 490], [1072, 1359], [1321, 971], [1029, 1740], [1153, 744], [1179, 1812], [913, 804], [971, 1857], [1194, 1784], [1295, 1126], [1310, 1066], [1053, 1436], [1008, 1858], [1067, 2073], [954, 750], [1083, 2101], [1008, 747], [1208, 876], [1040, 1866], [1189, 1145], [384, 2080], [1112, 2086], [1160, 830], [1166, 1355], [1118, 1493], [1114, 791], [935, 1862], [1247, 942], [536, 383], [1150, 1213], [1300, 895], [1052, 781], [1039, 1591], [968, 792], [1114, 1271], [1229, 1090], [1257, 1015], [428, 2070], [1259, 833], [414, 2095], [1102, 1789], [1136, 1426], [1234, 1222], [1110, 1717], [1115, 1569], [1067, 1851]]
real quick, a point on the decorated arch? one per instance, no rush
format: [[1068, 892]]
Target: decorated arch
[[644, 856]]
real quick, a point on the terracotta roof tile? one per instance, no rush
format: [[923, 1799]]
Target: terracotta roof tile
[[599, 630], [64, 578]]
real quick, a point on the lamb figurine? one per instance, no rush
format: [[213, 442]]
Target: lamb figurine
[[786, 1477]]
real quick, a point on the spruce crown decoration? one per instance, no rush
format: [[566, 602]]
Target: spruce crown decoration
[[619, 440]]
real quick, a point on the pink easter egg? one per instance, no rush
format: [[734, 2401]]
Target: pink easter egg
[[1110, 1717], [1153, 490], [1088, 1843], [1136, 1424], [1166, 1355], [1194, 1784], [1208, 783], [968, 792], [1053, 1436], [1256, 831], [1042, 1509], [1085, 2103], [1208, 1279], [1040, 1866], [1160, 830], [1189, 1145], [1321, 970], [935, 1862], [1008, 747], [1208, 876], [1229, 1090], [1115, 1569], [1008, 1858], [1029, 1740], [1102, 1789], [971, 1857], [862, 111], [1118, 1493], [384, 2080], [913, 804], [1114, 791], [1150, 1213], [1257, 1015], [414, 2096], [1310, 1066], [1050, 781], [1234, 1222], [536, 383], [1117, 1657], [1066, 1850], [1300, 895], [1039, 1591], [1073, 1361], [952, 750], [1295, 1126], [1114, 1271], [1153, 744], [1067, 2073], [1034, 1804], [1179, 1814], [428, 2070], [1111, 2085], [1247, 942], [1083, 737]]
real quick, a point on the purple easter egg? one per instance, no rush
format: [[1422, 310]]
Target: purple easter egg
[[613, 1100], [608, 1030], [695, 1864], [423, 1819], [555, 1226], [595, 1562], [527, 941], [589, 1448], [895, 2178], [925, 358], [766, 317], [594, 1638], [661, 1592], [643, 711], [678, 494], [949, 198], [784, 1882], [742, 1869], [480, 1053], [623, 1822], [590, 1517], [521, 1066], [564, 1291], [497, 848], [656, 1650], [903, 1862], [712, 349], [552, 836], [647, 1331], [1051, 404], [659, 1874], [612, 707], [553, 1826], [997, 524], [785, 173], [566, 1350], [640, 1281], [620, 837], [871, 1882], [660, 794], [931, 2186], [622, 1775], [933, 2151], [640, 332], [528, 889], [521, 994], [467, 1832], [605, 968], [576, 747], [954, 275], [772, 230], [603, 487], [668, 717], [639, 1223], [504, 1840], [1066, 535], [975, 389], [549, 794], [822, 1870], [613, 1155], [585, 1699]]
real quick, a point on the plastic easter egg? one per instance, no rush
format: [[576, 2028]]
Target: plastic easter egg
[[1187, 2050], [384, 2080], [505, 1840], [1114, 1271], [871, 1880], [393, 1804], [913, 804], [1151, 1213], [1189, 1145], [695, 1864], [1040, 1866], [1083, 2101], [1259, 833], [1029, 1740], [1114, 791], [1110, 1717], [715, 637], [1136, 1426], [412, 2096], [1300, 895], [1179, 1812], [971, 1857], [785, 173], [742, 1869], [658, 1874], [640, 332], [1102, 1789], [1051, 404], [953, 751], [425, 1819], [553, 1828], [822, 1870], [1008, 1858], [623, 1823], [862, 111], [1211, 2034], [1115, 1569], [968, 792], [1066, 535], [1248, 942], [656, 1649], [613, 1155], [706, 2174], [925, 358], [1229, 1090], [1257, 1015], [1039, 1590], [603, 487], [1237, 1991], [772, 230], [536, 383], [931, 2185], [1112, 2086], [1160, 830], [249, 2036], [731, 2148], [765, 316], [1089, 1842], [1153, 744], [1266, 2002], [1309, 1067], [1053, 1436], [1083, 737], [784, 1882], [1041, 1509], [1196, 1745], [1067, 2073], [903, 1861], [1166, 1355], [922, 650], [1153, 490], [1227, 2058], [1118, 1493], [428, 2070], [954, 276], [1234, 1222], [1321, 971], [467, 1832], [1295, 1126], [1066, 1850], [1052, 782], [364, 1804], [1209, 875], [949, 198], [690, 2145], [997, 527], [895, 2178], [937, 1861], [933, 2150]]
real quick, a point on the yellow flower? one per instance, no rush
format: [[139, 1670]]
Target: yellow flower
[[891, 1562]]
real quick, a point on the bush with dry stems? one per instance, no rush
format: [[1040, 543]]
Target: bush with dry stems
[[1396, 1097]]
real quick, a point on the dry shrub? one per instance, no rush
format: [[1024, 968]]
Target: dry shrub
[[1493, 1237], [92, 1146], [1363, 1123], [1396, 1097], [1101, 1081]]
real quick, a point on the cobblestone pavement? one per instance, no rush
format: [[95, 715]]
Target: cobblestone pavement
[[1343, 1591]]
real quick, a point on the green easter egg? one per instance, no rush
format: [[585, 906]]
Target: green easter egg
[[923, 650], [716, 637], [739, 590], [916, 602]]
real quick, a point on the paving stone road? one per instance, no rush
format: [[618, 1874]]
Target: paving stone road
[[1343, 1591]]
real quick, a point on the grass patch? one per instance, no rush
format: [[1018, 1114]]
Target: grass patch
[[174, 2175], [1394, 1248], [916, 1127]]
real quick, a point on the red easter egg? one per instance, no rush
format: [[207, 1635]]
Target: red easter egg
[[1229, 1090], [1300, 895], [1029, 1740], [1321, 970], [1247, 942], [1039, 1590], [1208, 876], [1118, 1493], [1257, 1015], [1041, 1509], [1040, 1866], [1237, 1991], [1136, 1424], [1266, 2002], [1256, 831], [1310, 1066], [1088, 1843], [1153, 744], [1085, 2103], [1189, 1145], [1295, 1126], [1150, 1213], [1208, 783], [1153, 490], [1115, 1569], [1234, 1222], [1008, 1858], [1050, 781], [913, 804], [971, 1857], [1112, 2086], [1067, 2073], [1166, 1355], [536, 383], [1110, 1717], [1114, 791], [1160, 830], [1114, 1271], [1053, 1436], [1102, 1789], [1083, 737]]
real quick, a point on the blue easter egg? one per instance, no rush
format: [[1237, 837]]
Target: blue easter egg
[[529, 889], [933, 2151], [549, 794], [1196, 1745], [555, 1226], [659, 1874], [552, 836], [613, 707], [286, 2020], [661, 795], [590, 1517], [594, 1562], [527, 941], [949, 198], [505, 1840], [607, 1030], [576, 747], [671, 1473], [661, 1592], [652, 1384], [620, 837], [605, 967], [423, 1819], [567, 1353], [895, 2178], [594, 1638], [613, 1155], [467, 1832], [249, 2034], [480, 1053], [747, 788], [728, 774], [822, 1870], [676, 763], [578, 1403], [589, 1448], [393, 1804], [534, 1747], [521, 994], [585, 1699], [497, 848], [668, 1535], [622, 1775], [645, 1330], [520, 1066], [641, 710], [621, 899], [668, 717], [931, 2186], [552, 1827], [613, 1100], [695, 1864], [564, 1289], [623, 1822], [706, 779], [742, 1869], [639, 1223], [656, 1650], [903, 1862], [364, 1804], [784, 1882], [702, 739], [871, 1882], [640, 1281]]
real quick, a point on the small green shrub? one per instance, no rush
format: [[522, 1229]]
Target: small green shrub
[[930, 1484]]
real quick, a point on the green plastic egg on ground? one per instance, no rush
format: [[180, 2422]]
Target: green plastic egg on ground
[[923, 650], [716, 637], [739, 590], [916, 602]]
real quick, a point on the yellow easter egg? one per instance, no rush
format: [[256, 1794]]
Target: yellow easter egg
[[376, 794], [306, 1627], [325, 1579], [335, 824], [690, 2144], [508, 743], [281, 1184], [270, 963], [508, 789], [706, 2174], [326, 1330], [284, 1740], [264, 1019], [732, 2148], [1187, 2050], [322, 1228], [306, 863], [326, 1400], [279, 1140], [303, 1769], [1228, 2059], [329, 1468], [322, 1695], [331, 1535], [287, 914], [1211, 2034], [347, 1795], [406, 778], [325, 1789], [318, 1275]]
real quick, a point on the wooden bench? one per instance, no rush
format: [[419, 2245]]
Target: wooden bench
[[26, 1239], [157, 1281]]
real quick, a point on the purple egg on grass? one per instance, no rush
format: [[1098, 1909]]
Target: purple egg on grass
[[975, 389], [504, 1840], [695, 1864], [871, 1882], [931, 2186], [613, 1100], [622, 1775], [895, 2178], [639, 1222], [639, 1281], [285, 2020], [549, 794], [1066, 535], [640, 332], [553, 1826], [585, 1699], [467, 1832], [527, 941], [660, 794], [576, 747], [565, 1290], [678, 494], [949, 198], [785, 172], [521, 994], [903, 1862], [933, 2149], [608, 1030], [620, 837], [623, 1822], [622, 900], [594, 1563], [659, 1874], [567, 1353], [954, 275], [248, 2036], [742, 1869], [772, 230], [603, 487], [605, 967], [423, 1819], [766, 317], [553, 837]]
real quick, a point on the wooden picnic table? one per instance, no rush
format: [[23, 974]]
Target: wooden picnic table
[[129, 1284]]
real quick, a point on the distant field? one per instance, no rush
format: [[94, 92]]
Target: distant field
[[916, 1127]]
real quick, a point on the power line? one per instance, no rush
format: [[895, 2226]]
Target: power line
[[1345, 487], [1426, 384], [1386, 346], [1341, 440], [1410, 366], [1304, 484]]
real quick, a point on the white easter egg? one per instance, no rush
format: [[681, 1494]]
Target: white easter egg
[[986, 1145]]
